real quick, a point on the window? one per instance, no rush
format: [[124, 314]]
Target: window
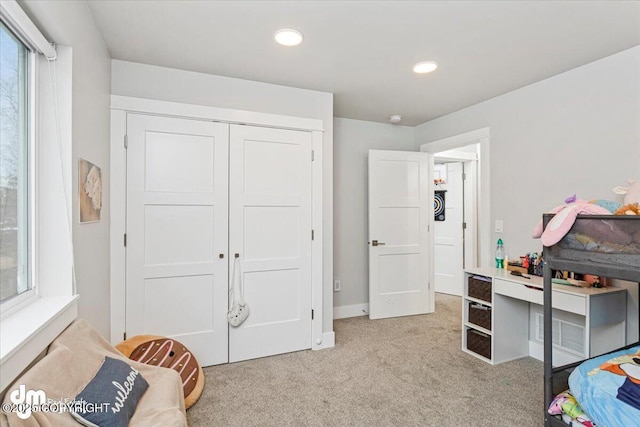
[[15, 121]]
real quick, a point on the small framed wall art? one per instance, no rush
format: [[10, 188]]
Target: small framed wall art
[[89, 191]]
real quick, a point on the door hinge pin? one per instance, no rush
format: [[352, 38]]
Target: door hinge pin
[[312, 235], [464, 176], [313, 155], [126, 141], [125, 240], [124, 335], [312, 314], [464, 225]]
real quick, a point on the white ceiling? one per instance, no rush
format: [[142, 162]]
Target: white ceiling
[[363, 51]]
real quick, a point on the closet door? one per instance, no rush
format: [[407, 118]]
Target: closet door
[[177, 232], [270, 229]]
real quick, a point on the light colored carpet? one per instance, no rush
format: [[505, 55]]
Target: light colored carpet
[[402, 371]]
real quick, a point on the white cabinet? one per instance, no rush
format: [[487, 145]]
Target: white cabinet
[[587, 322]]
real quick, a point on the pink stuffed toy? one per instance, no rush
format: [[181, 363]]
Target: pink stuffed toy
[[565, 216]]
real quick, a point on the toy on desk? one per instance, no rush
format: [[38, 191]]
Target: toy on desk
[[564, 218]]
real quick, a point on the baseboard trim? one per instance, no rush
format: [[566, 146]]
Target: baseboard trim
[[345, 311], [328, 341]]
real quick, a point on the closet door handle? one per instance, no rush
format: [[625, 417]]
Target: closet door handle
[[237, 255], [376, 243]]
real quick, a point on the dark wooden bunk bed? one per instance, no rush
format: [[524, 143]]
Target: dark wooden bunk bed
[[618, 264]]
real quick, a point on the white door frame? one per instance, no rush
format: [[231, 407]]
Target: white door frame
[[483, 223], [469, 163], [120, 106]]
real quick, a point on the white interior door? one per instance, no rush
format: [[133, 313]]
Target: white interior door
[[400, 217], [177, 231], [270, 229], [449, 234]]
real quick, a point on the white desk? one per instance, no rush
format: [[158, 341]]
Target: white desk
[[588, 321]]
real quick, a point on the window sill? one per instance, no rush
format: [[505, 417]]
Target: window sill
[[26, 333]]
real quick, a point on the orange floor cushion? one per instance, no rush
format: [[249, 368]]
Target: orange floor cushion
[[168, 353]]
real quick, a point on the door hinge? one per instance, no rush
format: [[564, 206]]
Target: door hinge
[[125, 240], [313, 155], [428, 228], [126, 141], [312, 314], [464, 225], [464, 176], [124, 336], [312, 234]]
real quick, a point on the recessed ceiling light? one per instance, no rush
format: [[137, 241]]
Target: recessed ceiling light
[[425, 67], [288, 37]]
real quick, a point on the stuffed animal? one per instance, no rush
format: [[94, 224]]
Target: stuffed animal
[[631, 193], [609, 205], [565, 216], [630, 209]]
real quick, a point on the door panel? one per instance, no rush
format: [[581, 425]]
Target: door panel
[[177, 225], [400, 214], [448, 234], [270, 228]]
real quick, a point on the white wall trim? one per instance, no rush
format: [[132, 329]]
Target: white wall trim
[[176, 109], [317, 245], [346, 311], [454, 155], [328, 341], [118, 214], [481, 137], [120, 107], [27, 333]]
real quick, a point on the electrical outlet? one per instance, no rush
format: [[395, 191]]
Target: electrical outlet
[[336, 286], [499, 226]]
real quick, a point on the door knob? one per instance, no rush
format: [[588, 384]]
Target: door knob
[[376, 243]]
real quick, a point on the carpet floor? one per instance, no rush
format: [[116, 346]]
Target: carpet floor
[[406, 371]]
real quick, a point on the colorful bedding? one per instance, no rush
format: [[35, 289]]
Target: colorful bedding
[[608, 388], [572, 414]]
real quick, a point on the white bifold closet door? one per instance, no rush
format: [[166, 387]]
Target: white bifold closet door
[[177, 227], [199, 192], [270, 229]]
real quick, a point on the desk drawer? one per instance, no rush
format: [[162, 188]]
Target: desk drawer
[[571, 303], [567, 302], [516, 290]]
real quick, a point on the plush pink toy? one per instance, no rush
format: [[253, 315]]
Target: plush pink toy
[[631, 193], [562, 222]]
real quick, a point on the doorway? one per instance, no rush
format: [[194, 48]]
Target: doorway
[[462, 239]]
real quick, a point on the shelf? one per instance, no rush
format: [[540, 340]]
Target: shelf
[[477, 328], [479, 301]]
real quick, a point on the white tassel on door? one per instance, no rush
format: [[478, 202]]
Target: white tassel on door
[[238, 308]]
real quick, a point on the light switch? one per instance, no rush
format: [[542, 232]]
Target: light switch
[[498, 226]]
